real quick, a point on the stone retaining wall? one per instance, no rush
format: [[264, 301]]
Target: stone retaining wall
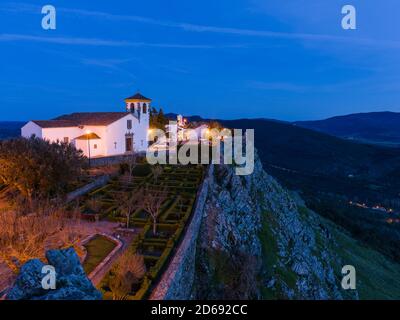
[[98, 183], [106, 161], [177, 281]]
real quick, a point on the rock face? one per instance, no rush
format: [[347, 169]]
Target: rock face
[[257, 242], [71, 280]]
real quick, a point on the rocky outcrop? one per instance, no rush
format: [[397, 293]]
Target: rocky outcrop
[[71, 280], [256, 241]]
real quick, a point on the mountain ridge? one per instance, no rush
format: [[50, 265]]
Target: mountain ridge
[[371, 127]]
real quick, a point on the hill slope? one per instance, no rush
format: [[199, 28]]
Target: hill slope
[[259, 241], [330, 172], [374, 127], [324, 162]]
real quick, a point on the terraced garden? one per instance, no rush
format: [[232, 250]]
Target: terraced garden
[[178, 185]]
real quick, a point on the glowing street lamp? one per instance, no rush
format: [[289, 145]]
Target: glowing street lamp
[[88, 133]]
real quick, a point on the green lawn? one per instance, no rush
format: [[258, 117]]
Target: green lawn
[[97, 250], [378, 278]]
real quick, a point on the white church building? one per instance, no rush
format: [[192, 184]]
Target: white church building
[[99, 134]]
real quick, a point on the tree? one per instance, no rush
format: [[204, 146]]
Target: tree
[[129, 270], [161, 119], [152, 203], [38, 169], [94, 205], [158, 119], [27, 236], [128, 202], [157, 171], [131, 163]]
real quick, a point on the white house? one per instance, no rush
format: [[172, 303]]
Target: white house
[[99, 134]]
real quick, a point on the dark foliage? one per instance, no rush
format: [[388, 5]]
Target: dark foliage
[[38, 169]]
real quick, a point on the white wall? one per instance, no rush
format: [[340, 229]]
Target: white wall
[[112, 140], [58, 134], [97, 147], [31, 129], [141, 132], [116, 133]]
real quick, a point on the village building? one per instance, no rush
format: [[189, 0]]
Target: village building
[[99, 134]]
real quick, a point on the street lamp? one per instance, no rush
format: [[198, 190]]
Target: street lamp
[[88, 133]]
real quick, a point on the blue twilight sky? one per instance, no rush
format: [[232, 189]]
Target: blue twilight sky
[[289, 60]]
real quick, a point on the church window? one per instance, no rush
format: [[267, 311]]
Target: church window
[[144, 108], [129, 124]]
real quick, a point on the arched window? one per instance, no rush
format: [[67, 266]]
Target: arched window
[[144, 108], [132, 107]]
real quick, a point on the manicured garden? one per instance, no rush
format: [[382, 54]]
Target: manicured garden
[[174, 188]]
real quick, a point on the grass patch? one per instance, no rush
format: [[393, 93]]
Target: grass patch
[[98, 249], [378, 277], [270, 260]]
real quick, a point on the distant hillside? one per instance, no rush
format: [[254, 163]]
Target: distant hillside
[[329, 172], [10, 129], [288, 148], [373, 127]]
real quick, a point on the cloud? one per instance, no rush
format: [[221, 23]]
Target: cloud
[[28, 8], [305, 88], [216, 29], [387, 84], [14, 7], [112, 43], [108, 63]]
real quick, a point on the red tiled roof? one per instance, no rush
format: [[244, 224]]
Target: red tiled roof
[[82, 119], [138, 96], [54, 123]]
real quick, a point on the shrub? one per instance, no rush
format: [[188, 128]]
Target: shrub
[[128, 271], [39, 169]]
